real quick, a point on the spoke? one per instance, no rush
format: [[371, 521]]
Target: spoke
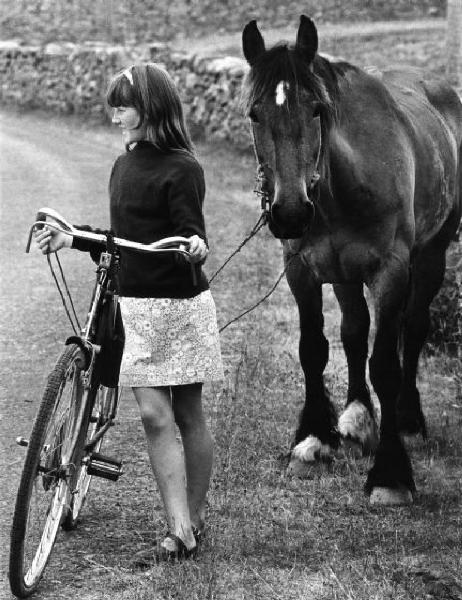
[[48, 535]]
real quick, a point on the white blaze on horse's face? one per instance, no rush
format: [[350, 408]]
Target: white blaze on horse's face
[[281, 92]]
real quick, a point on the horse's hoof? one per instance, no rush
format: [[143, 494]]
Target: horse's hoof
[[311, 449], [357, 427], [384, 496], [306, 455], [352, 448], [300, 469]]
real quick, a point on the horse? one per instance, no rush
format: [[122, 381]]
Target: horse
[[362, 177]]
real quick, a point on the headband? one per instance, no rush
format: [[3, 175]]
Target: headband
[[128, 74]]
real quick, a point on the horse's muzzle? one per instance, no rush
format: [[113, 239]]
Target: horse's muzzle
[[289, 223]]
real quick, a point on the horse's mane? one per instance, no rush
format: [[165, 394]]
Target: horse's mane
[[320, 78]]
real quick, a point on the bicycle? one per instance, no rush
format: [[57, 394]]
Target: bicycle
[[76, 411]]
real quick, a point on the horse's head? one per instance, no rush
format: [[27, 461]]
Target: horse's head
[[286, 101]]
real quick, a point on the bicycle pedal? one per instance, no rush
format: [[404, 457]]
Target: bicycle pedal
[[104, 466]]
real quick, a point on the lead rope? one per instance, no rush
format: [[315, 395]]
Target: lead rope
[[265, 297], [255, 229], [76, 325], [260, 190]]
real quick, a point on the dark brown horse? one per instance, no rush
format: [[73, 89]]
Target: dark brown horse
[[364, 179]]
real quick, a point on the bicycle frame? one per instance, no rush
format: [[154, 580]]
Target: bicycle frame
[[86, 340], [88, 334]]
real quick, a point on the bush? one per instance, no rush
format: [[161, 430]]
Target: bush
[[446, 310]]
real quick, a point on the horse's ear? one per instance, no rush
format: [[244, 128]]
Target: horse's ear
[[307, 39], [253, 44]]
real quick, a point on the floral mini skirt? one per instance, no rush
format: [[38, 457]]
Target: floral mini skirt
[[170, 341]]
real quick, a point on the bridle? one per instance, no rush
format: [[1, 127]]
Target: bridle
[[263, 180], [263, 189]]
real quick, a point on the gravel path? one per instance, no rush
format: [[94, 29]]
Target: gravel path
[[43, 164]]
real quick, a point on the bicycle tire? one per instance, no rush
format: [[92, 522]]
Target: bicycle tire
[[43, 489], [93, 421]]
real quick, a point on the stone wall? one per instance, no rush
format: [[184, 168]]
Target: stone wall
[[71, 79]]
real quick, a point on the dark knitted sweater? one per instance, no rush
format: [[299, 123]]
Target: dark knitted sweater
[[154, 195]]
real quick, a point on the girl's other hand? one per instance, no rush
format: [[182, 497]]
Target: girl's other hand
[[51, 240], [197, 249]]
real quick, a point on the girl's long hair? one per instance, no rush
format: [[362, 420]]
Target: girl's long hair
[[150, 89]]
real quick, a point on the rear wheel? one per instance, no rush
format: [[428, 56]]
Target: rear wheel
[[93, 425], [44, 486]]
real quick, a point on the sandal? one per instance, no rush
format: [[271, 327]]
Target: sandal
[[181, 552], [145, 559], [199, 534]]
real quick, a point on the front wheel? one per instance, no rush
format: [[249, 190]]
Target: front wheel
[[44, 486]]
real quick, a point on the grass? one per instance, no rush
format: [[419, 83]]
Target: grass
[[269, 536]]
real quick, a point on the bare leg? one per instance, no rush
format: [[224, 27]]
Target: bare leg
[[166, 458], [198, 447]]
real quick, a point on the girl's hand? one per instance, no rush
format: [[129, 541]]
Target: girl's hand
[[51, 240], [197, 249]]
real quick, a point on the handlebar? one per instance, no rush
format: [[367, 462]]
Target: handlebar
[[176, 244]]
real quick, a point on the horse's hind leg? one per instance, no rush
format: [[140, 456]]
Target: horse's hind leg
[[427, 275], [357, 423], [316, 436], [390, 481]]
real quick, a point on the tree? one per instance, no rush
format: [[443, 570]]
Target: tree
[[446, 310], [454, 43]]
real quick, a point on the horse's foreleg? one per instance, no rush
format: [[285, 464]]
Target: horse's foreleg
[[316, 436], [357, 424], [390, 481]]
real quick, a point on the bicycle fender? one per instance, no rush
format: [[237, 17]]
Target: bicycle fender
[[75, 339]]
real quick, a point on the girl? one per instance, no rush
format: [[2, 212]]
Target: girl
[[157, 190]]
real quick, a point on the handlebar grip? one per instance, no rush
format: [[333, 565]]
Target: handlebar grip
[[41, 216], [54, 215]]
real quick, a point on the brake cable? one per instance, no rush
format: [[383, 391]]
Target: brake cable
[[75, 326]]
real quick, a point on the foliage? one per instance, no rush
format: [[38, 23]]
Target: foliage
[[121, 21], [446, 310]]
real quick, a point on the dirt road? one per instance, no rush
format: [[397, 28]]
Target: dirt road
[[43, 163], [47, 161]]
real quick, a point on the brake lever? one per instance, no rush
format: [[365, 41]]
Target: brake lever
[[40, 222], [182, 247]]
